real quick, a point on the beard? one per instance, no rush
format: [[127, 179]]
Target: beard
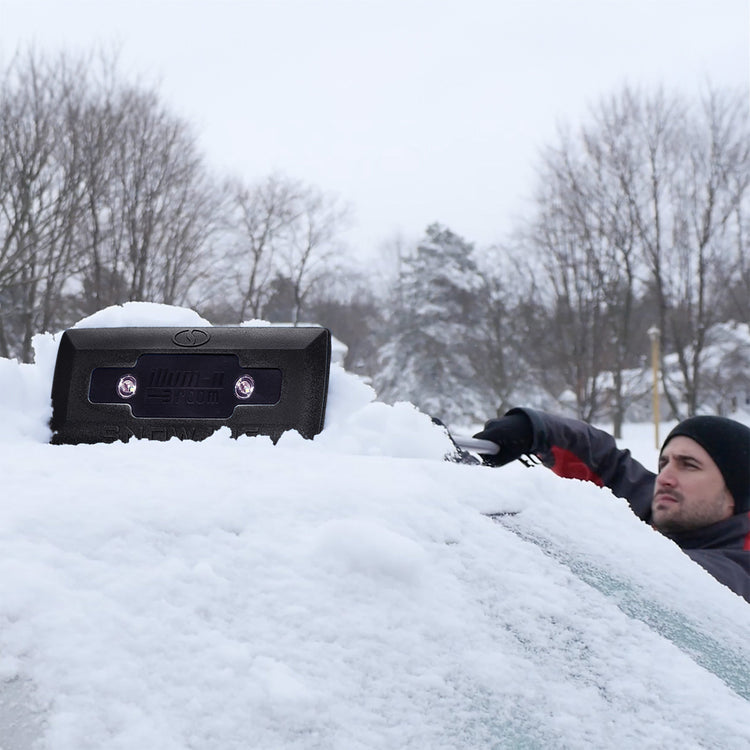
[[672, 513]]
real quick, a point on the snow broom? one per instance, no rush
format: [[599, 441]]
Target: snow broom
[[157, 383]]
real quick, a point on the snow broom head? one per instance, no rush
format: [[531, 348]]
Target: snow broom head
[[157, 383]]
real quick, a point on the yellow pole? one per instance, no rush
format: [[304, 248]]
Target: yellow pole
[[654, 333]]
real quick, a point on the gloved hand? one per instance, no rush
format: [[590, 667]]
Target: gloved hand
[[512, 433]]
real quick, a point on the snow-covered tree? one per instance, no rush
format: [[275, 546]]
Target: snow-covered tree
[[430, 353]]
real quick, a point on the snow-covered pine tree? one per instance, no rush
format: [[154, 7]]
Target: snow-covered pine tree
[[433, 331]]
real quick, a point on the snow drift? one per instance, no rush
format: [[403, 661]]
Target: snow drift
[[347, 592]]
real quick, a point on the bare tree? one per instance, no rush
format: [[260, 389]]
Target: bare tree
[[613, 158], [737, 285], [311, 247], [41, 195], [280, 239], [504, 327], [103, 281], [687, 240], [649, 199], [103, 196], [568, 236], [163, 205], [262, 216]]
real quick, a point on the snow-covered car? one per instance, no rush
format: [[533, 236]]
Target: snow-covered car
[[351, 591]]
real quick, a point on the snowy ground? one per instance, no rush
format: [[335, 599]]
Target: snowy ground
[[343, 593]]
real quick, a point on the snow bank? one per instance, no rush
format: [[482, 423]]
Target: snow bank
[[347, 592]]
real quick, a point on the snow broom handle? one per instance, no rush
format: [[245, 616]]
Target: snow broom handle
[[487, 447]]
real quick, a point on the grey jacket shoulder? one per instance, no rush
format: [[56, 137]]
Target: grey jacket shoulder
[[729, 566], [574, 449], [577, 450], [723, 550]]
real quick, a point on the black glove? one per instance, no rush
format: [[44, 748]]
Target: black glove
[[513, 434]]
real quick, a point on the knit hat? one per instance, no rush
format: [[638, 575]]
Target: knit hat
[[728, 444]]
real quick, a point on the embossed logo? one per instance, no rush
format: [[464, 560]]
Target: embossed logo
[[191, 337]]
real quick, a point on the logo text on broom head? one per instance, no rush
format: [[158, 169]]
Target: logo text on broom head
[[191, 337]]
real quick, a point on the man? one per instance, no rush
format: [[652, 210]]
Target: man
[[700, 498]]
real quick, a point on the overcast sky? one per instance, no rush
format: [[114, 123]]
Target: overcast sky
[[410, 111]]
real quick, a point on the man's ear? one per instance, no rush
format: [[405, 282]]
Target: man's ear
[[730, 500]]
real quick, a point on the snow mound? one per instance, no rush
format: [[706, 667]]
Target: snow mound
[[142, 314]]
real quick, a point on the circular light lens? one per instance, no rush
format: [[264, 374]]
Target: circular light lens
[[244, 387], [126, 386]]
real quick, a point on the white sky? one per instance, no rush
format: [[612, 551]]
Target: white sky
[[411, 111]]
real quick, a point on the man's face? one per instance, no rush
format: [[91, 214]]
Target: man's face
[[689, 492]]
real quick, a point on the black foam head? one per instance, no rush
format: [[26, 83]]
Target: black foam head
[[157, 383]]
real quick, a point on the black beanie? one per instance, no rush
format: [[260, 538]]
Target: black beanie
[[728, 444]]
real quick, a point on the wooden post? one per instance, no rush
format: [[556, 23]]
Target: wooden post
[[654, 334]]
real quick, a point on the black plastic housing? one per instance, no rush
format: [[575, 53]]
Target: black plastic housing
[[185, 382]]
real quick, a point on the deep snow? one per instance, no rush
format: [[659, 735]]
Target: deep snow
[[347, 592]]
